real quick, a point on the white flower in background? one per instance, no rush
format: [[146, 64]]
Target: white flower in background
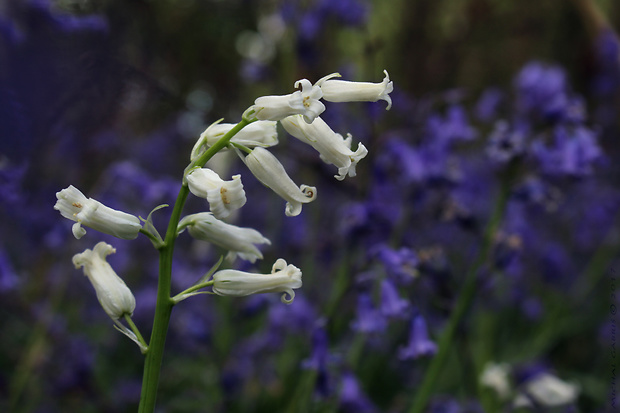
[[283, 278], [73, 205], [223, 196], [267, 169], [547, 390], [237, 240], [345, 91], [332, 147], [303, 102], [112, 292], [260, 133], [496, 377]]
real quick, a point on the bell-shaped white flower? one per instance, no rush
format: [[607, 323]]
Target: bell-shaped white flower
[[267, 169], [238, 241], [496, 377], [283, 278], [223, 196], [547, 390], [260, 133], [346, 91], [332, 147], [112, 292], [303, 102], [73, 205]]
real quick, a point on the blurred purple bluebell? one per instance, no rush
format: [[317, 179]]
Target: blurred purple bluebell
[[392, 305], [318, 360], [352, 397], [572, 152], [401, 264], [542, 90], [419, 344], [506, 142], [9, 280], [453, 127], [487, 106], [368, 318]]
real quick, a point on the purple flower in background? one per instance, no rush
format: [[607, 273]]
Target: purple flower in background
[[352, 397], [506, 142], [487, 106], [349, 12], [419, 342], [453, 127], [572, 152], [319, 359], [9, 280], [542, 89], [368, 318], [392, 305], [399, 264]]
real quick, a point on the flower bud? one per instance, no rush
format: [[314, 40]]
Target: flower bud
[[112, 292], [267, 169], [283, 278], [223, 196], [237, 240], [73, 205]]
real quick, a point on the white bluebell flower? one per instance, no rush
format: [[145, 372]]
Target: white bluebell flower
[[283, 278], [73, 205]]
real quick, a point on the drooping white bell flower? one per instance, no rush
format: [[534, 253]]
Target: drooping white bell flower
[[268, 169], [332, 147], [223, 196], [496, 377], [73, 205], [303, 102], [260, 133], [238, 241], [547, 390], [112, 292], [346, 91], [283, 278]]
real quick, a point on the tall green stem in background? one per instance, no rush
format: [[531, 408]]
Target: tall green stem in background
[[163, 308], [467, 293]]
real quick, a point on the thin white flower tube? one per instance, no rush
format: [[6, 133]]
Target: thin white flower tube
[[112, 292], [73, 205], [268, 169], [283, 278], [224, 197], [346, 91], [238, 241], [303, 102], [260, 133], [332, 147]]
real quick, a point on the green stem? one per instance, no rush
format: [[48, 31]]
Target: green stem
[[164, 304], [468, 292], [179, 297], [135, 330]]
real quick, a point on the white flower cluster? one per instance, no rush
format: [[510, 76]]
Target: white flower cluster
[[298, 113]]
